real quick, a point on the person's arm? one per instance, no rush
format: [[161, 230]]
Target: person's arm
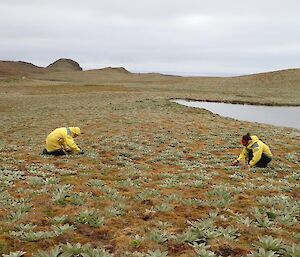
[[70, 143], [241, 158]]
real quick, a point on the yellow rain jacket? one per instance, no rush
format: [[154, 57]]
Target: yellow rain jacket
[[62, 138], [255, 148]]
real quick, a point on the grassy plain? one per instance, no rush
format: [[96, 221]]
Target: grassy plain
[[155, 178]]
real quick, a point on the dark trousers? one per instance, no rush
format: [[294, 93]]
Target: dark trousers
[[262, 163], [55, 152]]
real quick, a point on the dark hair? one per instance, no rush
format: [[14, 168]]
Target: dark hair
[[246, 137]]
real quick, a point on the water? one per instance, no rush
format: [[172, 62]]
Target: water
[[283, 116]]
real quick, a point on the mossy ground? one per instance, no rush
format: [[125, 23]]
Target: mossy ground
[[151, 169]]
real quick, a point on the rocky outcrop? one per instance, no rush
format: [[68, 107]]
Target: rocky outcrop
[[64, 65], [115, 69]]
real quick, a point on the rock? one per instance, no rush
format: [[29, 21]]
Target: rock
[[64, 65]]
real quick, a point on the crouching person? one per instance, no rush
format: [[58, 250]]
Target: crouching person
[[60, 141], [255, 153]]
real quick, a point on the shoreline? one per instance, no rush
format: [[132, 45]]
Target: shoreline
[[236, 102]]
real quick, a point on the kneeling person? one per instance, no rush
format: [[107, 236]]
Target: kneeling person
[[60, 141], [256, 152]]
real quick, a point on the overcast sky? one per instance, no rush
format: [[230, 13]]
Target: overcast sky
[[195, 37]]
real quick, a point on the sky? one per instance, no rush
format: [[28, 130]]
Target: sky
[[185, 37]]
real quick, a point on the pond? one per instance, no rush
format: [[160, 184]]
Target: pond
[[283, 116]]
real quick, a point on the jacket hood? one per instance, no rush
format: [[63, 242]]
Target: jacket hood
[[75, 131], [254, 139]]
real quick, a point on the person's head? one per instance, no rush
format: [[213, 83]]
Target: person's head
[[76, 131], [245, 139]]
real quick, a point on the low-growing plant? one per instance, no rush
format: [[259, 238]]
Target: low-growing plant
[[15, 216], [244, 220], [163, 225], [78, 198], [96, 252], [62, 229], [35, 181], [261, 219], [204, 228], [202, 250], [156, 253], [30, 236], [158, 236], [263, 253], [96, 183], [114, 211], [291, 251], [222, 202], [53, 252], [25, 227], [59, 219], [69, 250], [186, 237], [137, 241], [263, 222], [61, 193], [129, 183], [65, 172], [90, 217], [14, 254], [197, 184], [229, 232], [163, 208], [147, 194], [193, 202], [51, 181], [269, 243], [173, 198], [287, 219]]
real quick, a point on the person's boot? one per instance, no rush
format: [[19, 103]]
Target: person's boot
[[44, 152]]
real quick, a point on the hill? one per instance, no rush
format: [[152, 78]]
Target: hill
[[115, 69], [64, 65], [271, 88], [20, 68], [9, 68]]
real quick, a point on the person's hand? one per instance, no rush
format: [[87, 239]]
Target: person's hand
[[235, 163], [246, 167], [81, 152]]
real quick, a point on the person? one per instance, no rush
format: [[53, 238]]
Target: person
[[257, 153], [60, 141]]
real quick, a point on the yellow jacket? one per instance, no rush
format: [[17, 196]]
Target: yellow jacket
[[62, 138], [257, 148]]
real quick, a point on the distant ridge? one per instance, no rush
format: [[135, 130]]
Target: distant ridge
[[110, 70], [115, 69], [9, 68], [64, 65], [66, 68]]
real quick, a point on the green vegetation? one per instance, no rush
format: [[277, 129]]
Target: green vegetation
[[155, 178]]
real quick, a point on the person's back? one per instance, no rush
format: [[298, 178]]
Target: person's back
[[55, 139], [258, 152]]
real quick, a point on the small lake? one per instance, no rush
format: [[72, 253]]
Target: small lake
[[283, 116]]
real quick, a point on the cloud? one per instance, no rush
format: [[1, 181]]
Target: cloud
[[180, 36]]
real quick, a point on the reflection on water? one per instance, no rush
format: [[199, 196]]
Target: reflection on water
[[283, 116]]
